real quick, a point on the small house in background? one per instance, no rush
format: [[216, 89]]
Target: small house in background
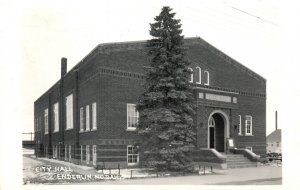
[[274, 141]]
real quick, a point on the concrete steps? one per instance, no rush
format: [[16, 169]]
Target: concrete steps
[[238, 161]]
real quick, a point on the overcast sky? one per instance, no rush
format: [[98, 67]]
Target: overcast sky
[[247, 32]]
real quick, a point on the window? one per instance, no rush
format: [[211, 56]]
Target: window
[[46, 151], [94, 116], [69, 111], [191, 75], [81, 119], [94, 155], [87, 154], [206, 73], [277, 144], [248, 125], [70, 152], [54, 152], [66, 152], [240, 125], [132, 155], [46, 121], [81, 154], [132, 117], [87, 116], [199, 75], [56, 117], [249, 148]]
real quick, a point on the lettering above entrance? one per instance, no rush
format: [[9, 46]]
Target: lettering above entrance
[[216, 97]]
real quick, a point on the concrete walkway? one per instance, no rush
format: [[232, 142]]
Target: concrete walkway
[[237, 176]]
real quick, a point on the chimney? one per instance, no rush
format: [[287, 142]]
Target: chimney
[[276, 120], [63, 66]]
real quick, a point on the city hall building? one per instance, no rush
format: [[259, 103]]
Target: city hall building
[[88, 117]]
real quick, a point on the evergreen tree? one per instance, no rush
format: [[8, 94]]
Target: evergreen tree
[[166, 107]]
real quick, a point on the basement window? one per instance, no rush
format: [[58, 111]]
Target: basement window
[[132, 155]]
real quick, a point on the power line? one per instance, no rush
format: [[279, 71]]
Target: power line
[[254, 16]]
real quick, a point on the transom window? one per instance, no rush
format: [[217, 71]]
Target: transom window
[[132, 117], [248, 125], [211, 122], [132, 155]]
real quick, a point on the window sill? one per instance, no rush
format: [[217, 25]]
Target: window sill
[[81, 131], [241, 135], [93, 129], [249, 135], [132, 164], [131, 129], [46, 133], [55, 132], [68, 129]]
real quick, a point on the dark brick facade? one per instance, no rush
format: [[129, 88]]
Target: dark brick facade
[[112, 76]]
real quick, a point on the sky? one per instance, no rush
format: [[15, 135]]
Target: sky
[[35, 34], [247, 32]]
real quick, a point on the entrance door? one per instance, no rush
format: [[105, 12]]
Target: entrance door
[[211, 137], [212, 133]]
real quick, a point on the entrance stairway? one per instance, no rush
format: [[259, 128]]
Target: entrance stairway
[[238, 161]]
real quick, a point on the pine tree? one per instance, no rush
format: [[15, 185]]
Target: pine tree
[[166, 107]]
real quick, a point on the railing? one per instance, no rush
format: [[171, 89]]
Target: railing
[[208, 155], [247, 153]]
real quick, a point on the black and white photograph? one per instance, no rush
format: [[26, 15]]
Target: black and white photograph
[[176, 94]]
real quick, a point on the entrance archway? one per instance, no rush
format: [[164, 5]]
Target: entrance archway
[[218, 130]]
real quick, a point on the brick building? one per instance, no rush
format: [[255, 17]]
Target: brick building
[[88, 116]]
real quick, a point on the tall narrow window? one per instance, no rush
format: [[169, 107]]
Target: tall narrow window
[[87, 116], [132, 117], [94, 116], [69, 111], [70, 152], [94, 155], [66, 152], [132, 155], [54, 152], [191, 75], [81, 119], [240, 125], [87, 154], [206, 75], [81, 154], [248, 125], [56, 117], [46, 120], [199, 75]]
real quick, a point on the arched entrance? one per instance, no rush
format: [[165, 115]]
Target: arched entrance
[[218, 130]]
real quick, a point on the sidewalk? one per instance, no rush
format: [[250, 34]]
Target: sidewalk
[[231, 177], [263, 174]]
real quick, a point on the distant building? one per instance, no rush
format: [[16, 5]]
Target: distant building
[[89, 115], [274, 141]]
